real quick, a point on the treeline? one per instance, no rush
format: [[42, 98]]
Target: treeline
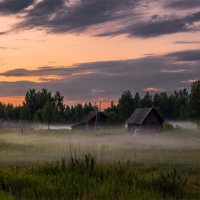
[[173, 106], [44, 107]]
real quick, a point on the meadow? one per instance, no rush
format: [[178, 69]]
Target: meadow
[[104, 164]]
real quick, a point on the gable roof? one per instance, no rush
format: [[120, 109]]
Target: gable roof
[[140, 114], [91, 115], [88, 118]]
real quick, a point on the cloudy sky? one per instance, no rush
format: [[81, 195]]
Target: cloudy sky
[[93, 50]]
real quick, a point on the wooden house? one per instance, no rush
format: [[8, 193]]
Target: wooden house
[[93, 120], [144, 120]]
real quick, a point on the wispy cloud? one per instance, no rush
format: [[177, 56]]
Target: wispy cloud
[[173, 71], [105, 17], [183, 4], [159, 26], [8, 48], [189, 81], [14, 6], [152, 89], [91, 81], [188, 55], [187, 42]]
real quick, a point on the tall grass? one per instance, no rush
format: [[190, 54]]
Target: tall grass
[[164, 166], [86, 179]]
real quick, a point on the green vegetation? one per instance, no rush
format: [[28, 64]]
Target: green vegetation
[[170, 127], [105, 164], [44, 107], [5, 196], [86, 179], [194, 101]]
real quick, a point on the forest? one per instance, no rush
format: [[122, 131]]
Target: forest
[[45, 107]]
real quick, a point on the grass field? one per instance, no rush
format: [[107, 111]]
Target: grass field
[[106, 164]]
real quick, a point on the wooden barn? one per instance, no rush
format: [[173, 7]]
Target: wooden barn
[[144, 120], [92, 120]]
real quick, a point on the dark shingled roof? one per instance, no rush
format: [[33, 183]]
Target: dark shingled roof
[[89, 117], [139, 115]]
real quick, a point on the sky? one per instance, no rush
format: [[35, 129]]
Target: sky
[[93, 50]]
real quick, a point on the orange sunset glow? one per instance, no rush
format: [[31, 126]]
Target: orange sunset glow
[[13, 100], [99, 99], [138, 46]]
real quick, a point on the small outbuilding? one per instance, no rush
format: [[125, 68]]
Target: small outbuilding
[[93, 120], [145, 120]]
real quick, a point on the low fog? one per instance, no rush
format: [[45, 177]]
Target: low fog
[[114, 144], [184, 125]]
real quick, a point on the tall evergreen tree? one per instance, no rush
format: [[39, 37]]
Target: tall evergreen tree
[[9, 112], [125, 105], [87, 108], [147, 100], [79, 113], [47, 112], [30, 102], [25, 113], [38, 116], [194, 101], [137, 100], [2, 111]]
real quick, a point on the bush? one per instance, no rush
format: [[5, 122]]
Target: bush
[[168, 127]]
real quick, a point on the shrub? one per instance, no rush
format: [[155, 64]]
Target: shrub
[[168, 127]]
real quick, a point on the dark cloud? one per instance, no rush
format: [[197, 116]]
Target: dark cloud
[[42, 71], [183, 4], [60, 17], [14, 6], [15, 72], [159, 26], [189, 55], [103, 17], [16, 88], [187, 42], [3, 33], [156, 28], [89, 81]]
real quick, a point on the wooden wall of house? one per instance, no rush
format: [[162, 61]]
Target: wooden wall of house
[[153, 119]]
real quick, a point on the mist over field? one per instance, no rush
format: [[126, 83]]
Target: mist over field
[[88, 164], [100, 99], [106, 145], [185, 124]]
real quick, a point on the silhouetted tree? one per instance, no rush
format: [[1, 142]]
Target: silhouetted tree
[[194, 101], [38, 116], [25, 114], [2, 111], [47, 112], [137, 100], [87, 108], [79, 113], [9, 112], [30, 102], [68, 114], [125, 105], [147, 100], [41, 106]]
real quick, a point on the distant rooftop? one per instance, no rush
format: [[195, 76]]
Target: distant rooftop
[[139, 115]]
